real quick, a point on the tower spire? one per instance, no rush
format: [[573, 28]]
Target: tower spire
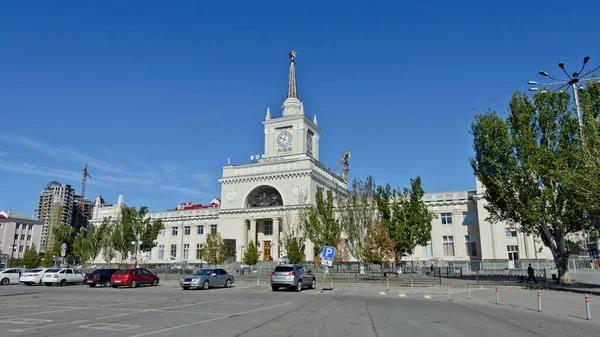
[[292, 105], [292, 87]]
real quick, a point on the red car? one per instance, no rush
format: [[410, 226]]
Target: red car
[[133, 277]]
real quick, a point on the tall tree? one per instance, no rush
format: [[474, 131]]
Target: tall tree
[[31, 258], [294, 252], [293, 232], [531, 169], [215, 251], [356, 212], [406, 216], [321, 224], [251, 254], [379, 247], [88, 242], [62, 234], [133, 223], [108, 241]]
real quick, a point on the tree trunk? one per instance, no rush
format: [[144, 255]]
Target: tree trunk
[[558, 247]]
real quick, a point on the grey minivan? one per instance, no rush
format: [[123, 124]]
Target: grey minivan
[[292, 276]]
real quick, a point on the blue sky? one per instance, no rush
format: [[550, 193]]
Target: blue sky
[[156, 95]]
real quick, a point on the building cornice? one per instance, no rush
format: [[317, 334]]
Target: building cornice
[[265, 176], [260, 210]]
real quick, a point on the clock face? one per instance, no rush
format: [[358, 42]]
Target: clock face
[[284, 139], [309, 144]]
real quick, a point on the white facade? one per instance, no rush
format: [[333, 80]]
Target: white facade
[[18, 233]]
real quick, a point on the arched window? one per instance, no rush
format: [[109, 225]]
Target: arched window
[[264, 196]]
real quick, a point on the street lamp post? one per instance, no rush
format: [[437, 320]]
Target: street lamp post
[[136, 243], [573, 81]]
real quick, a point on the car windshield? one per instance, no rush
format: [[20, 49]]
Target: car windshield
[[121, 271], [35, 271], [52, 270], [203, 272], [284, 268]]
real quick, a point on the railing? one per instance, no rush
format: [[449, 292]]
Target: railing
[[510, 276]]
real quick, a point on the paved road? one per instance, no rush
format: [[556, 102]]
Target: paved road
[[250, 311]]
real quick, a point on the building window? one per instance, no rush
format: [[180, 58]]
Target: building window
[[428, 249], [213, 228], [268, 228], [26, 247], [199, 251], [186, 251], [20, 248], [468, 218], [448, 242], [30, 227], [446, 218], [200, 229], [16, 236], [510, 232], [161, 252], [174, 231], [163, 231], [29, 237], [471, 245], [173, 252], [187, 230], [22, 236]]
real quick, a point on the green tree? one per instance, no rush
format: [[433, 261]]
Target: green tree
[[215, 251], [251, 254], [134, 223], [321, 224], [88, 242], [62, 234], [356, 212], [12, 263], [379, 247], [47, 261], [294, 252], [405, 215], [532, 170], [31, 258], [342, 253]]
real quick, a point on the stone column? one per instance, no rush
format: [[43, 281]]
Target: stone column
[[253, 231], [277, 243], [245, 233]]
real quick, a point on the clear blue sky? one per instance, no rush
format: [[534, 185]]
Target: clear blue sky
[[156, 95]]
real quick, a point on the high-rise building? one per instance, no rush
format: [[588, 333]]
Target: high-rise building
[[59, 205]]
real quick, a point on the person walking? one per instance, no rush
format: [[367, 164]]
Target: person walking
[[531, 274]]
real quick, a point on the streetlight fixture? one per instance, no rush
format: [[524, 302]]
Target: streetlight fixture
[[572, 81], [136, 243]]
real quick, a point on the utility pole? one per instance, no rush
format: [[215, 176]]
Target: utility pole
[[181, 255], [136, 245]]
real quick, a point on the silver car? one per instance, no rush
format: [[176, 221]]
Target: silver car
[[292, 276], [206, 278]]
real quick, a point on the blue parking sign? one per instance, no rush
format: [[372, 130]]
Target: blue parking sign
[[328, 252]]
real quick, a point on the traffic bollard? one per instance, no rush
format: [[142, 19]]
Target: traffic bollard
[[497, 300], [258, 281], [387, 284], [448, 288], [412, 287], [468, 291], [539, 293], [587, 307]]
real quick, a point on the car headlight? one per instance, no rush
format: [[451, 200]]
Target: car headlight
[[181, 280], [195, 280]]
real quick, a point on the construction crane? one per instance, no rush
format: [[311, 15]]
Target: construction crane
[[344, 162], [83, 181]]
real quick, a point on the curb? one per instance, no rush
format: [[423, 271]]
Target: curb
[[578, 291]]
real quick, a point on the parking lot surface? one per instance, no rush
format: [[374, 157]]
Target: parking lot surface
[[250, 311]]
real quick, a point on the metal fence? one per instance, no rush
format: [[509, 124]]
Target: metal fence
[[510, 276]]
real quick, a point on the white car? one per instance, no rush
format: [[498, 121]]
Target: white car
[[33, 276], [9, 275], [62, 276]]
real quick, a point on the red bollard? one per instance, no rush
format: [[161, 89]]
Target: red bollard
[[539, 293], [587, 307], [468, 291], [497, 301]]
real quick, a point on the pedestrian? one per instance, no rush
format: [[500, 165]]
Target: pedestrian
[[531, 274], [431, 269]]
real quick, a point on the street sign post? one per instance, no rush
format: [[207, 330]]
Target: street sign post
[[63, 250], [327, 256]]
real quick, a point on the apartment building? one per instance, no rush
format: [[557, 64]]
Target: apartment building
[[17, 234]]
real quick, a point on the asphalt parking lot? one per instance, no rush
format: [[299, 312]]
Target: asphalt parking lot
[[251, 311]]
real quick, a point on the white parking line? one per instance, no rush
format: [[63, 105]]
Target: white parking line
[[26, 321], [124, 302], [50, 325], [43, 312], [209, 320], [109, 326]]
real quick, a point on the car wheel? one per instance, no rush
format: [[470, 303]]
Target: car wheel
[[62, 282], [154, 282], [106, 283], [274, 288], [205, 285], [92, 285], [115, 287], [228, 283], [186, 288], [5, 281], [299, 285], [313, 284], [133, 284]]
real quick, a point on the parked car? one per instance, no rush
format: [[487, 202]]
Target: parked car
[[9, 275], [33, 276], [99, 276], [133, 277], [292, 276], [62, 276], [206, 278]]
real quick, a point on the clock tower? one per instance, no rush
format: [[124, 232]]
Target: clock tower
[[292, 134]]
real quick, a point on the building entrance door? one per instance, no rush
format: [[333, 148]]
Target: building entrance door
[[513, 255], [267, 251]]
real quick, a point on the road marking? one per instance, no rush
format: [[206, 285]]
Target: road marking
[[427, 297], [25, 321], [124, 302], [50, 325], [209, 320], [109, 326], [43, 312]]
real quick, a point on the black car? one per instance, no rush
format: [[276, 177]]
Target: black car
[[99, 276]]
